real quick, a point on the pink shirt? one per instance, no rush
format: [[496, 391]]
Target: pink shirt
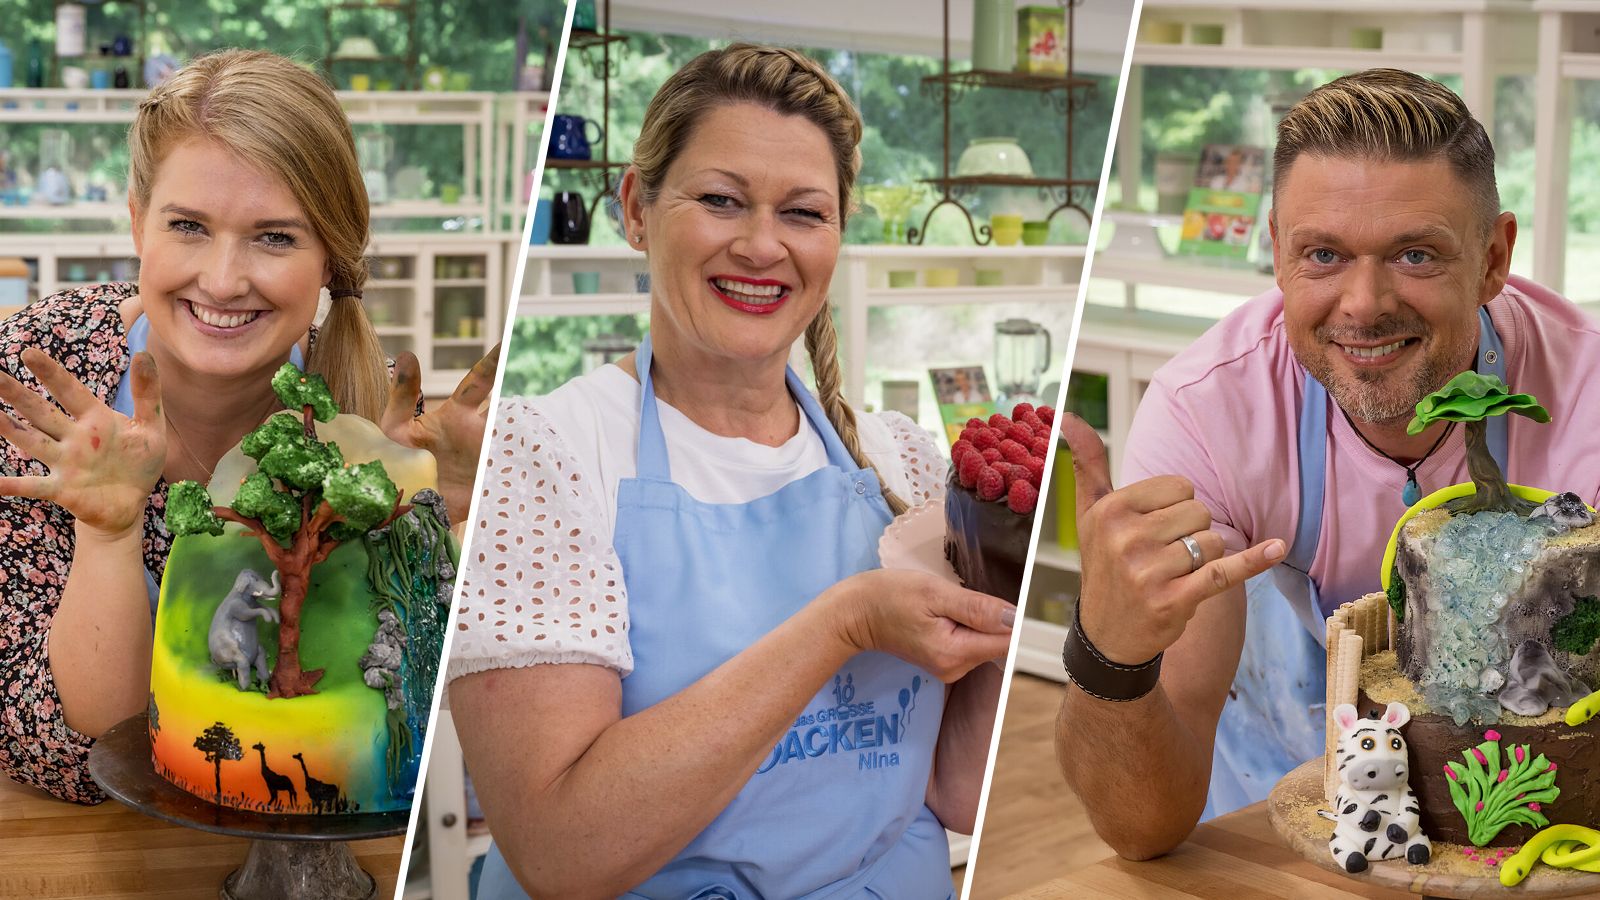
[[1223, 413]]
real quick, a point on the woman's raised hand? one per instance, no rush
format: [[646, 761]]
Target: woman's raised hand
[[453, 432], [923, 619], [103, 465]]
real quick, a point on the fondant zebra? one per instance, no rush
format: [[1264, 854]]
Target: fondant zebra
[[1376, 811]]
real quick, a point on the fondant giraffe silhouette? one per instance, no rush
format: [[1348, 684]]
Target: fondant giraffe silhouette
[[324, 796], [275, 782]]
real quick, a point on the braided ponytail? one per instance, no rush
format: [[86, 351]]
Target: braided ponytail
[[822, 342]]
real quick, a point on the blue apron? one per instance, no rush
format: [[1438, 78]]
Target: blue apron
[[1274, 718], [138, 338], [836, 808]]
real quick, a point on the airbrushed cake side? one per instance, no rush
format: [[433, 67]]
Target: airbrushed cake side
[[302, 616]]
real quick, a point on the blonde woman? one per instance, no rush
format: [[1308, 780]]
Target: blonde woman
[[680, 670], [247, 206]]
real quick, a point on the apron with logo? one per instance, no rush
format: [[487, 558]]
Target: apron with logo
[[836, 808], [1274, 718]]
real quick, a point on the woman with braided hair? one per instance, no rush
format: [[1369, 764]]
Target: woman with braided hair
[[680, 671], [248, 213]]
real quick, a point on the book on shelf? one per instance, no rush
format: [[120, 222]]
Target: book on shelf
[[1220, 215]]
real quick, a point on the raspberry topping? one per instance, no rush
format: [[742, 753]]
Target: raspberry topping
[[1022, 498], [990, 454], [1021, 410], [969, 467], [991, 484], [1013, 451]]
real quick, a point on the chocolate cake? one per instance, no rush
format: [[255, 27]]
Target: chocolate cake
[[997, 467]]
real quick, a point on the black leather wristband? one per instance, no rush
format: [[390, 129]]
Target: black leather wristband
[[1100, 677]]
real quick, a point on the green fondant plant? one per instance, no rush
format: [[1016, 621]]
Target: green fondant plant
[[1491, 796], [303, 501], [1474, 399], [1396, 591], [1577, 631]]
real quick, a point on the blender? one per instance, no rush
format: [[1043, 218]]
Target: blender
[[1021, 355], [373, 151]]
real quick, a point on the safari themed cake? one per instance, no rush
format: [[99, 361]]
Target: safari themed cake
[[302, 616]]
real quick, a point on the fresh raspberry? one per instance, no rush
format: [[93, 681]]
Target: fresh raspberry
[[960, 448], [976, 422], [985, 438], [1046, 414], [1018, 472], [990, 454], [1035, 467], [1020, 433], [991, 484], [1013, 451], [999, 420], [1039, 447], [968, 468], [1033, 421], [1020, 410], [1022, 498]]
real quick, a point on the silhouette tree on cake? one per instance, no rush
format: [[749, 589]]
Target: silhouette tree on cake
[[218, 744], [1474, 399], [302, 502]]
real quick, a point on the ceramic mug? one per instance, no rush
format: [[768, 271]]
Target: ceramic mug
[[1035, 234], [569, 220], [569, 138], [586, 282]]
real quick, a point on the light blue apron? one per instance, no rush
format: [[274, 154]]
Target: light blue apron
[[836, 808], [138, 339], [1274, 717]]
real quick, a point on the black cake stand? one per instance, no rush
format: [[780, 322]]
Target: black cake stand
[[290, 857]]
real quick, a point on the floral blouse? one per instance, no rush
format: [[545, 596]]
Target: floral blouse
[[82, 330]]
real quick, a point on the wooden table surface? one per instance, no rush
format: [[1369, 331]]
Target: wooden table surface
[[1234, 857], [52, 849]]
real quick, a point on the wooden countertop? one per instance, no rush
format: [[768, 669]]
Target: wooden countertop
[[1233, 857], [53, 849]]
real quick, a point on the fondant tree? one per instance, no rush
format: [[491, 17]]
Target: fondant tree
[[218, 744], [1474, 399], [302, 502]]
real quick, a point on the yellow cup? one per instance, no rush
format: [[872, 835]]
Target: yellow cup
[[1005, 229], [360, 82]]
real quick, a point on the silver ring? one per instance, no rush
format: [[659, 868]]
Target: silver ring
[[1196, 560]]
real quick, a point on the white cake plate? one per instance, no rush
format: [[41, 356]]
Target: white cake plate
[[916, 541]]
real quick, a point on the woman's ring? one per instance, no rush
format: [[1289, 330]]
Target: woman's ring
[[1196, 560]]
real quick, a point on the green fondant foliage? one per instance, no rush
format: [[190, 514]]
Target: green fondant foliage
[[1470, 397], [1397, 594], [1491, 796], [302, 463], [259, 499], [189, 510], [297, 390], [280, 428], [363, 494], [1577, 630]]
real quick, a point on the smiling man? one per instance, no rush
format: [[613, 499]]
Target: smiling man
[[1268, 463]]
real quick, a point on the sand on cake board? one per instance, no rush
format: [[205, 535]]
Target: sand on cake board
[[1292, 808]]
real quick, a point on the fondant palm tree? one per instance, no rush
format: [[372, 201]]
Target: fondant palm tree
[[1474, 399]]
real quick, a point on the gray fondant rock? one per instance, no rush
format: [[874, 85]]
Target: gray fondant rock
[[1536, 683], [1566, 510]]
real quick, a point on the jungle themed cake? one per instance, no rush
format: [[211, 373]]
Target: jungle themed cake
[[302, 616], [1484, 639]]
